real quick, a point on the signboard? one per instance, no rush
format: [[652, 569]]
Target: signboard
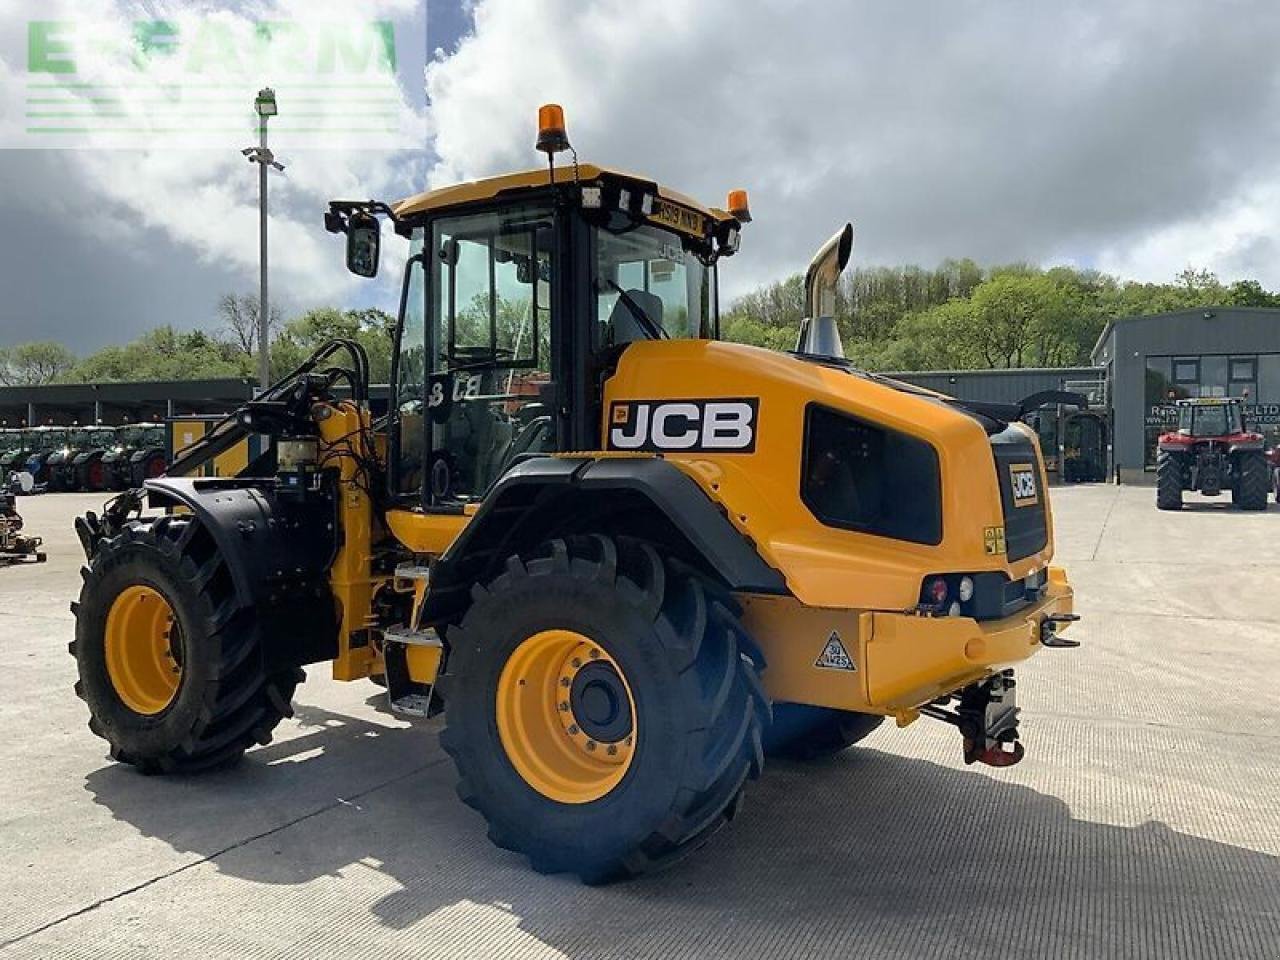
[[1255, 415]]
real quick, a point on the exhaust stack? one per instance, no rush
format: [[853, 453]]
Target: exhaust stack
[[819, 335]]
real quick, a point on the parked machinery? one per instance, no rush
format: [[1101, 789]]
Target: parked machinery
[[1211, 451], [15, 447], [138, 455], [635, 558], [46, 443], [78, 465], [14, 547]]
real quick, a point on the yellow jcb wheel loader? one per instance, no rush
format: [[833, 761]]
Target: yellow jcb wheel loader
[[626, 559]]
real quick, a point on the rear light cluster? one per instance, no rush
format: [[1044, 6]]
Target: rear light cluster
[[947, 594], [984, 596]]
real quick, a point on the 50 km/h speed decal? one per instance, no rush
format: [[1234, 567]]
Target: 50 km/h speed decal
[[697, 426]]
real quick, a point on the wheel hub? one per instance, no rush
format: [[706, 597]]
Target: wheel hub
[[598, 702], [143, 659], [565, 716]]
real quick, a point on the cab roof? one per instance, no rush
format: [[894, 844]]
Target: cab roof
[[471, 191]]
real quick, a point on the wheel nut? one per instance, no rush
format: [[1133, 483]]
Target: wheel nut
[[613, 749], [591, 744], [595, 654], [576, 662], [573, 729]]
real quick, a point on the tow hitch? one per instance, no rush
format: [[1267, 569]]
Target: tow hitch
[[987, 717], [1049, 630]]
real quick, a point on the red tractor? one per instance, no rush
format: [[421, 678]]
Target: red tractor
[[1211, 451]]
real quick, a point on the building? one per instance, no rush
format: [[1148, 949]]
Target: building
[[1148, 362], [1076, 443], [67, 404]]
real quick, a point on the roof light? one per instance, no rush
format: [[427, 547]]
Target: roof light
[[552, 136], [265, 104], [738, 206], [646, 204], [624, 199], [592, 197]]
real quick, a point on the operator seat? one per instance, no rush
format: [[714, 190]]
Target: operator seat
[[623, 325]]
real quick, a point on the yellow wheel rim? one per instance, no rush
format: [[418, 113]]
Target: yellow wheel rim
[[566, 716], [139, 650]]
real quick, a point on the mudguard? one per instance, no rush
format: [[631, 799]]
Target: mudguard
[[278, 551], [546, 497]]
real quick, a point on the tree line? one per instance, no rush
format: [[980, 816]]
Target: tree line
[[228, 349], [960, 316], [957, 316]]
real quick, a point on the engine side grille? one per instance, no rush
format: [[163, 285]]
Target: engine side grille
[[1025, 528]]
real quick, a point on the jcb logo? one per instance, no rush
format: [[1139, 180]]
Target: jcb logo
[[1022, 481], [710, 426]]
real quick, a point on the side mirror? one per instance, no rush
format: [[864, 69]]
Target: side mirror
[[364, 240]]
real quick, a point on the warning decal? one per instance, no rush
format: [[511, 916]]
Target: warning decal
[[834, 656]]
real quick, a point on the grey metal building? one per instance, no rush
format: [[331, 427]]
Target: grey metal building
[[116, 403], [1151, 361], [1076, 443]]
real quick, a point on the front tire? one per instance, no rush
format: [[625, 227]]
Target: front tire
[[1250, 492], [170, 663], [604, 708], [1168, 481]]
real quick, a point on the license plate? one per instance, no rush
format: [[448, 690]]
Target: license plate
[[678, 218]]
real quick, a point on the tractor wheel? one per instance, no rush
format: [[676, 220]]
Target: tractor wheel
[[1168, 481], [604, 707], [170, 663], [802, 732], [1250, 490]]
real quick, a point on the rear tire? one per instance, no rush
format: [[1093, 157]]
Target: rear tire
[[222, 701], [802, 732], [688, 668], [1250, 491], [1168, 481]]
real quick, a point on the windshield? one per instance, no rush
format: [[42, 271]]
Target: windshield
[[651, 285], [10, 441], [1209, 420], [131, 436]]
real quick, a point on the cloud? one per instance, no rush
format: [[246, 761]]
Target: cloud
[[159, 206], [1139, 135]]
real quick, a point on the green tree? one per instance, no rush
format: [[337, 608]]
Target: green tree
[[164, 354], [30, 364], [371, 328]]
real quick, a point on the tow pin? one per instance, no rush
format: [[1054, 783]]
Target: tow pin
[[1049, 627]]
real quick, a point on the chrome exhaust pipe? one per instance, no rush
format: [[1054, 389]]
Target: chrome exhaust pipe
[[819, 335]]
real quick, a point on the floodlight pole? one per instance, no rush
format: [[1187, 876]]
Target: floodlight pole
[[265, 107], [264, 308]]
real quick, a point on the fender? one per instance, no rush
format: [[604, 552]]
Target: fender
[[1247, 445], [545, 497], [278, 551]]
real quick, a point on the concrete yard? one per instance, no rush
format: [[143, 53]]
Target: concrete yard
[[1144, 822]]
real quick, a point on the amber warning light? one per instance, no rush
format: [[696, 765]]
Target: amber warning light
[[552, 137], [738, 206]]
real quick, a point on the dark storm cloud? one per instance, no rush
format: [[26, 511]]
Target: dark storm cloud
[[1135, 135]]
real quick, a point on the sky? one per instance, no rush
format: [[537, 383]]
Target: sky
[[1137, 137]]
